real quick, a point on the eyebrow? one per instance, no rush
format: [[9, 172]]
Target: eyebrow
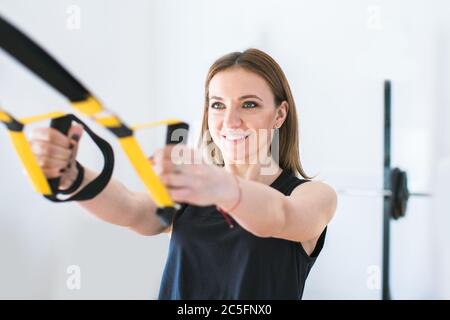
[[240, 98]]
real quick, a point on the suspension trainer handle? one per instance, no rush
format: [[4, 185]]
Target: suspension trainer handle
[[49, 187]]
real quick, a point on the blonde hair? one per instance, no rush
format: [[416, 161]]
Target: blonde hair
[[261, 63]]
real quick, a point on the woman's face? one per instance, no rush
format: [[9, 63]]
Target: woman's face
[[242, 114]]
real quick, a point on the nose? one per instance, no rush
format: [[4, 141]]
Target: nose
[[232, 118]]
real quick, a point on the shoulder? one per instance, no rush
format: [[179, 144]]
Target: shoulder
[[318, 194], [318, 186], [308, 209], [287, 182]]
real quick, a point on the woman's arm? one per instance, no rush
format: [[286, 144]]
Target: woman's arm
[[262, 210], [266, 212], [118, 205]]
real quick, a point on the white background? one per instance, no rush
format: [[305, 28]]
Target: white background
[[147, 60]]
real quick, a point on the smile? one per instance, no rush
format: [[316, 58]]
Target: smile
[[235, 138]]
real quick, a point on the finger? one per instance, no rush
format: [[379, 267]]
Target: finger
[[198, 156], [51, 163], [76, 146], [75, 133], [167, 149], [156, 164], [159, 163], [48, 149], [50, 135], [172, 180], [172, 152], [181, 194], [157, 156], [182, 154], [167, 166], [52, 173], [151, 159]]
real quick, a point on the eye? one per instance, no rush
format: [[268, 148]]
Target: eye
[[250, 105], [217, 105]]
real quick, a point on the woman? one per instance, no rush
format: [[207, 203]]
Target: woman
[[250, 137]]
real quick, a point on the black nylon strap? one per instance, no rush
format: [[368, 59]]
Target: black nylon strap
[[78, 180], [97, 185], [29, 53]]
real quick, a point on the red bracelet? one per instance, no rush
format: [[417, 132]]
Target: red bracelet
[[225, 212]]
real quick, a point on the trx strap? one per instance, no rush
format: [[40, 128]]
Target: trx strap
[[49, 187], [48, 69]]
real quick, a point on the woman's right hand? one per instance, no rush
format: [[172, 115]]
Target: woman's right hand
[[116, 204], [56, 153]]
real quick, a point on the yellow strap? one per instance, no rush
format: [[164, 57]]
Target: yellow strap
[[144, 169], [89, 107], [155, 123], [110, 121], [40, 117], [30, 163], [5, 117]]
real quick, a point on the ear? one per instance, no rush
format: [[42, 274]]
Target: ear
[[281, 113]]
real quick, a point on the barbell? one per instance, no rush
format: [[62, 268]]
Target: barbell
[[398, 195]]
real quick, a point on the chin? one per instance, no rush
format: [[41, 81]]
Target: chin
[[242, 158]]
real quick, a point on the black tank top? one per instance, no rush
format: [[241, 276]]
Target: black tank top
[[208, 260]]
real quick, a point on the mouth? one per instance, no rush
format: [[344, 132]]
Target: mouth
[[235, 139]]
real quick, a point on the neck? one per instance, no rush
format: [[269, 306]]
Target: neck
[[266, 173]]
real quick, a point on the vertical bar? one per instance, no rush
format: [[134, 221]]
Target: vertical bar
[[386, 295]]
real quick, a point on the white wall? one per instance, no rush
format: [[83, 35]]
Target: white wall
[[147, 60]]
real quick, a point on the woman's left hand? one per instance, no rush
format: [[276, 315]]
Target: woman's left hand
[[189, 179]]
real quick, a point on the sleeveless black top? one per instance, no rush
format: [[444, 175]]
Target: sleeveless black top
[[208, 260]]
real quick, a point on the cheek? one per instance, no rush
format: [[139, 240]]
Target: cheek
[[259, 139], [214, 125], [214, 120], [262, 119], [262, 136], [263, 125]]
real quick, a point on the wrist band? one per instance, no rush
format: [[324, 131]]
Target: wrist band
[[78, 181]]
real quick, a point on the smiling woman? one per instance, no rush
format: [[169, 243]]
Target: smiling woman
[[280, 220]]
